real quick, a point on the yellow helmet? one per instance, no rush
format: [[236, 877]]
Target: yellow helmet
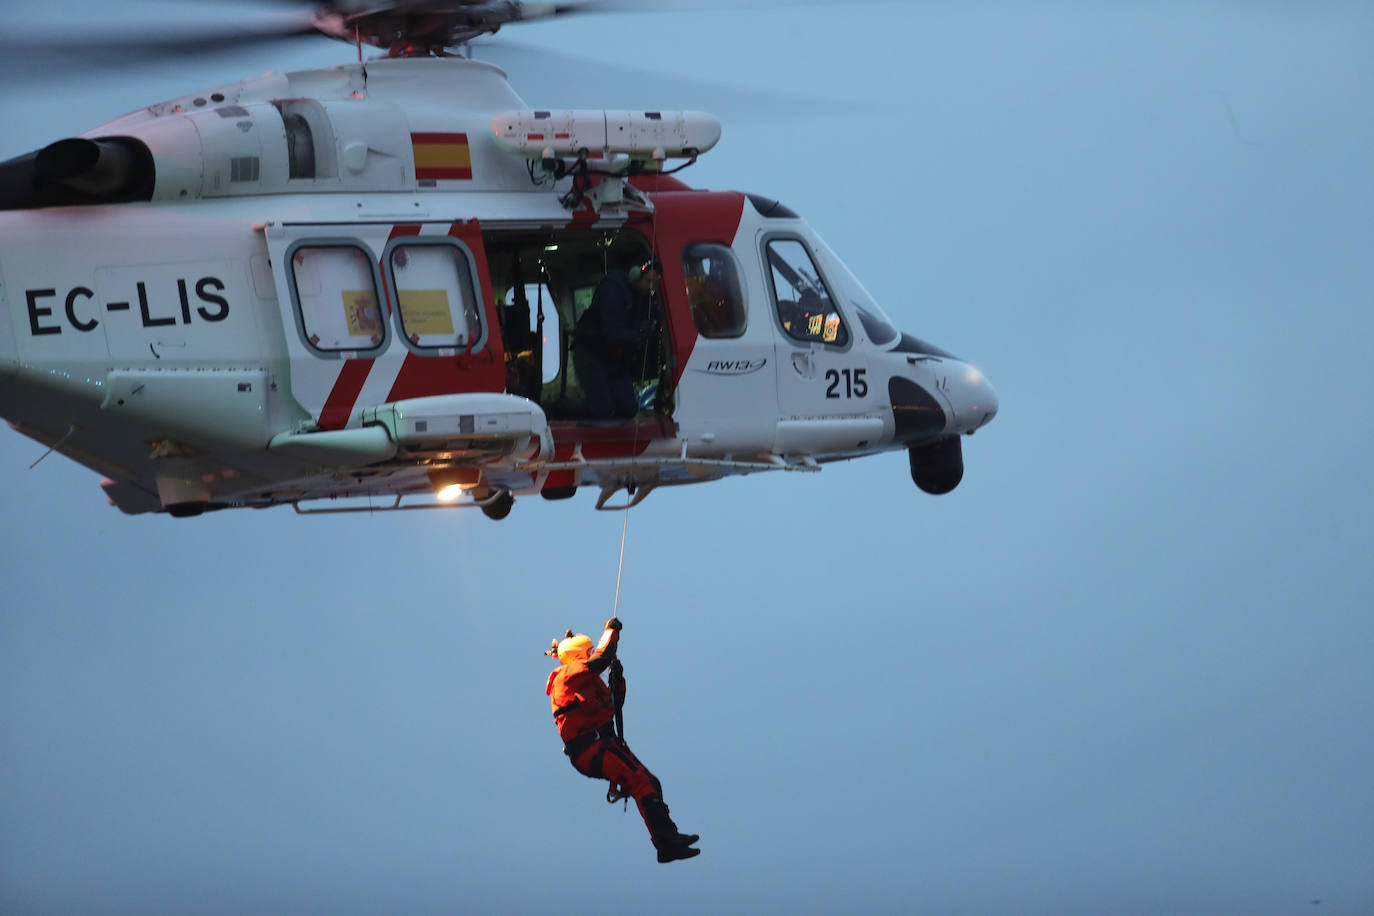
[[574, 648]]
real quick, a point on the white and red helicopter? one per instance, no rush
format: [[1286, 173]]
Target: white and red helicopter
[[365, 281]]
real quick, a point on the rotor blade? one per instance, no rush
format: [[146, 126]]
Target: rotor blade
[[297, 4], [571, 7], [24, 54], [541, 76]]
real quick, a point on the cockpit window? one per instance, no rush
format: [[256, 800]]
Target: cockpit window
[[713, 290], [877, 325], [805, 307]]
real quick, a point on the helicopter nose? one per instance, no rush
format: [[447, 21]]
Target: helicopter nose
[[938, 395], [972, 397]]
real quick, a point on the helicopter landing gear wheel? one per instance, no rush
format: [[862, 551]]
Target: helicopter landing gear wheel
[[499, 507]]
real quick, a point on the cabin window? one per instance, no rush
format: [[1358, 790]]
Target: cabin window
[[806, 309], [337, 299], [713, 290], [436, 299]]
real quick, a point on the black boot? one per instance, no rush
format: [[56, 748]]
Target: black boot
[[671, 844], [673, 853]]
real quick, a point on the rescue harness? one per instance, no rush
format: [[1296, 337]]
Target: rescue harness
[[616, 681]]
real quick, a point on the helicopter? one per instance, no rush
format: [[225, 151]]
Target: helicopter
[[371, 282]]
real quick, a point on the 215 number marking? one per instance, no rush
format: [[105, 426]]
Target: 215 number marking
[[855, 386]]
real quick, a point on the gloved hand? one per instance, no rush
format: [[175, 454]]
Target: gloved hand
[[613, 623]]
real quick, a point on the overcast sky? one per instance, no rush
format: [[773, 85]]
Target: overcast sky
[[1124, 668]]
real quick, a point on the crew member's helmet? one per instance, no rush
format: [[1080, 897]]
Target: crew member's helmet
[[574, 648], [639, 270]]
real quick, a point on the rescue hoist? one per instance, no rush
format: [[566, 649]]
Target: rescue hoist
[[600, 149]]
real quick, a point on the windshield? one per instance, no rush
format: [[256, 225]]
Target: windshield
[[876, 324]]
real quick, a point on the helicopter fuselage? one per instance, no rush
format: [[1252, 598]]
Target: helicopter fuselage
[[340, 284]]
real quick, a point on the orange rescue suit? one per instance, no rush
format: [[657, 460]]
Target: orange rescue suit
[[580, 700], [583, 710]]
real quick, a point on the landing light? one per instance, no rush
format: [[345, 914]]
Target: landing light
[[451, 483], [451, 492]]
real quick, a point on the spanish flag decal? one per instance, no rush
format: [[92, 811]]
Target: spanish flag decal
[[442, 157]]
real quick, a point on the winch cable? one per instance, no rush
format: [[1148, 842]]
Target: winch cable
[[620, 569], [616, 678], [632, 485]]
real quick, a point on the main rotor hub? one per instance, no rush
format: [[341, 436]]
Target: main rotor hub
[[415, 28]]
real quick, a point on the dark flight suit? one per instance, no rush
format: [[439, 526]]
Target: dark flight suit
[[583, 710], [604, 347]]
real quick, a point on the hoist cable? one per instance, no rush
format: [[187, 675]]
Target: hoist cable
[[634, 448], [619, 570], [71, 431]]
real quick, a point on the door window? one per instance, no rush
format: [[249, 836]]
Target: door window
[[436, 299], [713, 290], [336, 297], [529, 315], [806, 309]]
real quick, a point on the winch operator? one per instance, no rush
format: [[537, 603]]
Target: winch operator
[[584, 709], [609, 344]]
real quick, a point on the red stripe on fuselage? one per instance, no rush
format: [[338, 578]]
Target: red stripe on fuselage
[[619, 440], [444, 173], [680, 218], [339, 407], [457, 139]]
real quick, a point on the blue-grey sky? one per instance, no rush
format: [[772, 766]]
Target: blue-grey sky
[[1124, 668]]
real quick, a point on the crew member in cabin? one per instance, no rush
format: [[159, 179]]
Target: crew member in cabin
[[609, 344], [709, 299], [584, 709]]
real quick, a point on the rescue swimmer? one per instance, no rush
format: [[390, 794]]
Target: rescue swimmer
[[585, 710]]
